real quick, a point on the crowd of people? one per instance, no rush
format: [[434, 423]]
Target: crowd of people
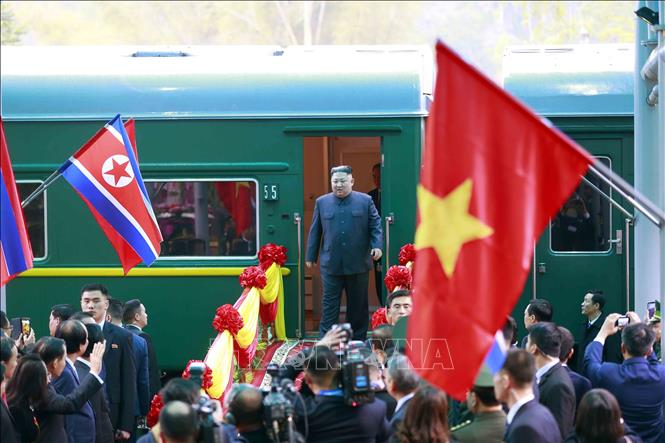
[[92, 379]]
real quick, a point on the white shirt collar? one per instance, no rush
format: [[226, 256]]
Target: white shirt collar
[[135, 326], [84, 361], [516, 407], [101, 324], [403, 400], [542, 371], [590, 322], [70, 363]]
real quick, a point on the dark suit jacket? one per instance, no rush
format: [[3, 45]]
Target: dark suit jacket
[[100, 407], [388, 399], [533, 423], [376, 199], [331, 420], [153, 366], [348, 228], [397, 418], [611, 350], [581, 384], [120, 379], [80, 425], [558, 395], [140, 348], [9, 432], [638, 385]]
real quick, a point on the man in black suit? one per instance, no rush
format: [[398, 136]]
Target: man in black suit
[[376, 198], [536, 311], [581, 384], [556, 389], [527, 420], [402, 382], [119, 362], [135, 318], [592, 308], [245, 412], [103, 426], [328, 416]]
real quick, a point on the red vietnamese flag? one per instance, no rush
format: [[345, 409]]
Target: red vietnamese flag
[[493, 173]]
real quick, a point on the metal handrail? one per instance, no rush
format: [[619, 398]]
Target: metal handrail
[[390, 219], [297, 220]]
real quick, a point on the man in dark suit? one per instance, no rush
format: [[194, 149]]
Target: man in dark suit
[[135, 319], [592, 308], [402, 382], [376, 199], [556, 389], [348, 225], [328, 416], [100, 407], [581, 384], [638, 383], [80, 425], [245, 411], [536, 311], [119, 362], [527, 420]]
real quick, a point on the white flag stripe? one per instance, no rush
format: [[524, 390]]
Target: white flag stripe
[[115, 133]]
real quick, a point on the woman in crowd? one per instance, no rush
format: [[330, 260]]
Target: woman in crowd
[[431, 426], [35, 404], [8, 356], [599, 420]]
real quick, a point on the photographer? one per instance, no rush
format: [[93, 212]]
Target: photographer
[[245, 411], [178, 423]]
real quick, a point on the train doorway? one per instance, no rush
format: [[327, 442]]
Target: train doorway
[[363, 154]]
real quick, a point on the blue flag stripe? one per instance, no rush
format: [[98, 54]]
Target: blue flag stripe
[[9, 234]]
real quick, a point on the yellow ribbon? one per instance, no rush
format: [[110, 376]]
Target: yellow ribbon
[[249, 311], [220, 360]]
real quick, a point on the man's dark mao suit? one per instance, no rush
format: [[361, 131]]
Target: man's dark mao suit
[[533, 423], [80, 425], [100, 407], [345, 230], [638, 385], [558, 395], [611, 350], [153, 366], [120, 379]]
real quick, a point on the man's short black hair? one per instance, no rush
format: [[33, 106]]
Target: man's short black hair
[[62, 311], [597, 296], [509, 330], [541, 309], [567, 342], [177, 421], [246, 405], [520, 366], [81, 315], [4, 321], [342, 168], [486, 395], [395, 294], [74, 333], [180, 389], [95, 335], [7, 345], [546, 337], [382, 338], [96, 287], [322, 365], [115, 309], [130, 309], [638, 339]]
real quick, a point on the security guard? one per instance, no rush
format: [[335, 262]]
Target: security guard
[[489, 423]]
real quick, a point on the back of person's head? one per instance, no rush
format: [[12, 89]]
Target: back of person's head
[[7, 346], [567, 342], [485, 395], [597, 297], [95, 335], [520, 366], [546, 337], [178, 423], [4, 321], [130, 309], [509, 330], [180, 389], [245, 407], [382, 338], [322, 367], [96, 287], [541, 309], [83, 317], [74, 333], [598, 418], [49, 349], [28, 382], [62, 312], [638, 339], [426, 418], [403, 379], [115, 310]]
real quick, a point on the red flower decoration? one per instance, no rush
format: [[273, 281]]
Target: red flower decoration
[[379, 318], [398, 276], [227, 318], [156, 406], [272, 253], [407, 254], [253, 277], [206, 382]]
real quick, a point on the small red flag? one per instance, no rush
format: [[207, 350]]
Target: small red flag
[[493, 174]]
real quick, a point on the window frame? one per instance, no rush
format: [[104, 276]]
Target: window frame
[[611, 224], [215, 257], [45, 194]]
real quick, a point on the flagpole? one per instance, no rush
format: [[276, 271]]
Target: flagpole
[[41, 188]]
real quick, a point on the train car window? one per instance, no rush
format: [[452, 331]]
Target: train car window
[[584, 223], [35, 217], [206, 218]]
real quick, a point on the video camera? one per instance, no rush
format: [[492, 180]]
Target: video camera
[[355, 372], [278, 412], [209, 429]]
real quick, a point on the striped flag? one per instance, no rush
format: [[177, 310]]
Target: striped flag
[[15, 250]]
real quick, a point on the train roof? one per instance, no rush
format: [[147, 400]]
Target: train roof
[[572, 80], [95, 83]]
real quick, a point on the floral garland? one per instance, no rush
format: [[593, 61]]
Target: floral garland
[[227, 318], [379, 318], [398, 276], [253, 277], [206, 380], [407, 254], [271, 253], [156, 406]]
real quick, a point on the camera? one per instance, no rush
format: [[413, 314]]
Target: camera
[[209, 429], [278, 413], [622, 321], [355, 372]]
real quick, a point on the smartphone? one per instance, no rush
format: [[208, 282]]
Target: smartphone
[[651, 309], [622, 321], [25, 326]]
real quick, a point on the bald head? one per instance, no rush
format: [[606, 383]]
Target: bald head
[[177, 422], [246, 405]]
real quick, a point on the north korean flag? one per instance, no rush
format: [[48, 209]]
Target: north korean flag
[[106, 175]]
